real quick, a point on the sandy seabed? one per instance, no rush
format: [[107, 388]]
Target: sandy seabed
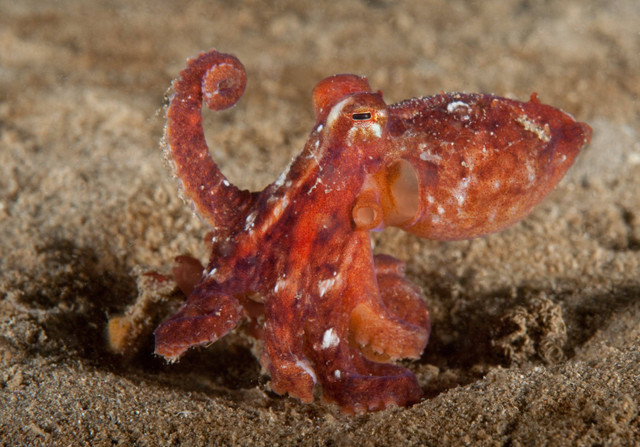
[[535, 329]]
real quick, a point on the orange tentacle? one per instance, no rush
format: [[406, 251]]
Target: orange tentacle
[[220, 80]]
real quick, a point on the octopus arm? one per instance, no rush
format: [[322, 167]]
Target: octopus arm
[[218, 79], [209, 313]]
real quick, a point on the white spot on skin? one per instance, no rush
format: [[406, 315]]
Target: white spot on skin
[[313, 154], [330, 339], [542, 132], [440, 209], [376, 129], [307, 368], [319, 128], [280, 284], [364, 130], [251, 218], [453, 106], [280, 181], [279, 204], [275, 212], [314, 185], [212, 272], [461, 191], [426, 156], [280, 207], [337, 373], [225, 182], [325, 285], [531, 172], [335, 112]]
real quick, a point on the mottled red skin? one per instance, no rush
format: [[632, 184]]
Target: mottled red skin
[[296, 259]]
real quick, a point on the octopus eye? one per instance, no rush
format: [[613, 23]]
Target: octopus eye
[[362, 116]]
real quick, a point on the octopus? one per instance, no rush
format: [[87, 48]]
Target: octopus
[[295, 261]]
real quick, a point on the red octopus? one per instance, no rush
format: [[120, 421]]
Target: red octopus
[[295, 259]]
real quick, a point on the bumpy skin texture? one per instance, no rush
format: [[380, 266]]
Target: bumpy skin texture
[[295, 259]]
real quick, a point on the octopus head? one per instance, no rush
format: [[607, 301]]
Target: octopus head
[[350, 113]]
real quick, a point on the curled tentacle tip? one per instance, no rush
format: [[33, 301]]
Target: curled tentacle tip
[[223, 84]]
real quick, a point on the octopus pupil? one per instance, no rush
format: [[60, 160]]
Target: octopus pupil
[[361, 116]]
